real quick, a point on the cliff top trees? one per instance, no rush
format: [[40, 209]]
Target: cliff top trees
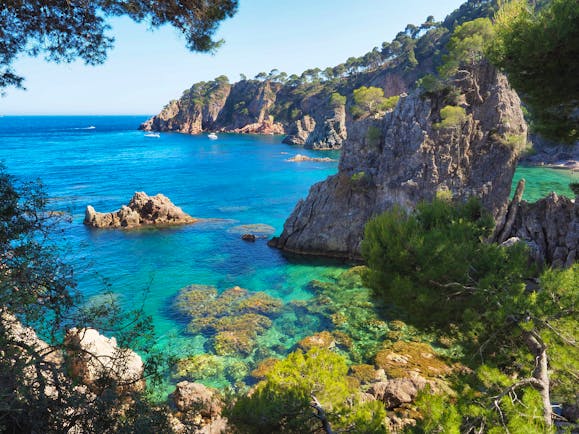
[[370, 101], [63, 30], [539, 51]]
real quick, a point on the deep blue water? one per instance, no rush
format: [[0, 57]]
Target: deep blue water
[[103, 160]]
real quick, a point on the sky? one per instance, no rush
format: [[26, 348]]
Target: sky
[[148, 68]]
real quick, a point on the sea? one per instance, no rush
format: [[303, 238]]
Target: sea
[[230, 182]]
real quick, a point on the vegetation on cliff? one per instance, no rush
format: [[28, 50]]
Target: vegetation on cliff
[[304, 106], [538, 47]]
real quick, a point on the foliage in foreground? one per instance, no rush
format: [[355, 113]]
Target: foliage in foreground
[[38, 289], [519, 335], [65, 31], [302, 393]]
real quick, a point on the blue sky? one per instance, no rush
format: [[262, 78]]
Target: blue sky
[[147, 68]]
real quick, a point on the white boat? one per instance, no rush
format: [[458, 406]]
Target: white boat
[[153, 135], [212, 136]]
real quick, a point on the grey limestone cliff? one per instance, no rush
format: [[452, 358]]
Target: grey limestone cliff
[[408, 156]]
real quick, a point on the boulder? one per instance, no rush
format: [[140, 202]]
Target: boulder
[[248, 237], [142, 210], [197, 398], [92, 357], [395, 392], [550, 227]]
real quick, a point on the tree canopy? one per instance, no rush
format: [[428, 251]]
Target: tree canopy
[[64, 31], [539, 51]]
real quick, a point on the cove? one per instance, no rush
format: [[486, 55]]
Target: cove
[[233, 181]]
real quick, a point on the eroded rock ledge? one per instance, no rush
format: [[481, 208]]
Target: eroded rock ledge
[[142, 210]]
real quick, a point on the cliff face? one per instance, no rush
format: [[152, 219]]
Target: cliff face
[[304, 113], [255, 107], [406, 157]]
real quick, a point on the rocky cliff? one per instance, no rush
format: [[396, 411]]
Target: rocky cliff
[[408, 156]]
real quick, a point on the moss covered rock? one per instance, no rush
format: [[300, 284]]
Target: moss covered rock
[[401, 359]]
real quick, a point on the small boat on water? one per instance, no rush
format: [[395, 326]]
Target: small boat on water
[[212, 136], [153, 135]]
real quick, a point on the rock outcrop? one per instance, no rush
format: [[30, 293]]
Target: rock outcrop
[[300, 158], [550, 154], [550, 227], [92, 357], [198, 409], [408, 156], [142, 210], [323, 128]]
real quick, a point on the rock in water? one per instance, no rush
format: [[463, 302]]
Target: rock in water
[[248, 237], [407, 157], [142, 210]]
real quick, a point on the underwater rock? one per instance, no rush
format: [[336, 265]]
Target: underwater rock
[[200, 366], [257, 229], [236, 371], [193, 299], [261, 303], [231, 343], [142, 210], [264, 368], [234, 318], [322, 339]]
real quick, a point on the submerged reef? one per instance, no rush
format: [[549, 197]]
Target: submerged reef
[[233, 319]]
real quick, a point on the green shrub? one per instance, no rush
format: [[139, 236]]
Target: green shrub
[[370, 101], [451, 117], [358, 176], [337, 100], [412, 257], [282, 402]]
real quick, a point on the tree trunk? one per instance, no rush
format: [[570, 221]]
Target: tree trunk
[[541, 373]]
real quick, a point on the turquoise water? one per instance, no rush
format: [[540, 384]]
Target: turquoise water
[[233, 181]]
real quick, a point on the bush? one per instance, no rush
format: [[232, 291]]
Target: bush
[[451, 117], [433, 256], [337, 100], [283, 402], [370, 101]]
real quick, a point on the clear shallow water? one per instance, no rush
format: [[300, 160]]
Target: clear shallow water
[[235, 180]]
